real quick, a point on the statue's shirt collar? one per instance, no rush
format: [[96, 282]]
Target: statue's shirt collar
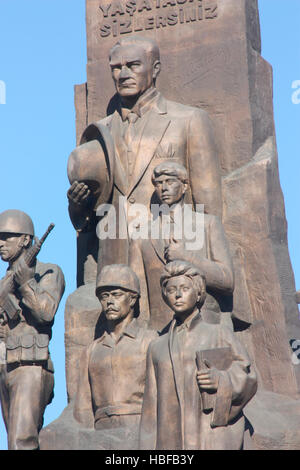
[[143, 104], [189, 322], [130, 331]]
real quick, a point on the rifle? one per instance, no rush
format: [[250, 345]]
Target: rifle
[[8, 303], [33, 251]]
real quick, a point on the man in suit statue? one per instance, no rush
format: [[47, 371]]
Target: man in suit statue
[[146, 128]]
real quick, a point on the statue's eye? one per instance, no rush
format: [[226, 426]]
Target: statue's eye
[[117, 294], [134, 65], [171, 290]]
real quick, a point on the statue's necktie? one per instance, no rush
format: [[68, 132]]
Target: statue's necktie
[[129, 137]]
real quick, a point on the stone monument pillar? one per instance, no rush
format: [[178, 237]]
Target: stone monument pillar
[[211, 59]]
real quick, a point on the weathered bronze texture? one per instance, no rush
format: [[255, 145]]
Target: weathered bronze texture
[[174, 415], [29, 297]]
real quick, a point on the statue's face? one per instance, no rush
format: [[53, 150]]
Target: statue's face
[[116, 303], [132, 70], [169, 189], [11, 246], [181, 295]]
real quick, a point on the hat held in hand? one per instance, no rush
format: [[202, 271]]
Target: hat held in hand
[[92, 162]]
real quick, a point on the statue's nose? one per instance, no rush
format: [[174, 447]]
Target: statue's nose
[[125, 72]]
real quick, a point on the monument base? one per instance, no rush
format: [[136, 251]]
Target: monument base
[[274, 424], [65, 433], [275, 420]]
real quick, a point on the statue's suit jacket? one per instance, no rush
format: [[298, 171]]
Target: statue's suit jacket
[[169, 131], [172, 416]]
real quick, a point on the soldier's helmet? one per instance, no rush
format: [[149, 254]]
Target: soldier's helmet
[[15, 221], [119, 276]]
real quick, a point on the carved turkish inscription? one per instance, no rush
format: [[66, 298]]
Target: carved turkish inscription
[[129, 16]]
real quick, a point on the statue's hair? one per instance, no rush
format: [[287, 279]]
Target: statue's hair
[[183, 268], [170, 168], [149, 45]]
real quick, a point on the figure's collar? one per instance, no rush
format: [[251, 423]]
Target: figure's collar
[[175, 211], [131, 330], [189, 322], [151, 99]]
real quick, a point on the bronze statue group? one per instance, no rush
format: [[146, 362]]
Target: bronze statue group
[[167, 371]]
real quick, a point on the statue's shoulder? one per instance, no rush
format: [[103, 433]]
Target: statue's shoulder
[[47, 270], [42, 267], [183, 110], [212, 220], [106, 121], [157, 343], [149, 335]]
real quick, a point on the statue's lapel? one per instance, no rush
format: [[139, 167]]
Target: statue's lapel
[[120, 177], [177, 365], [158, 245], [151, 136]]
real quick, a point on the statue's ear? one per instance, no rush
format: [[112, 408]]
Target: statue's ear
[[156, 69], [27, 241], [185, 187], [133, 300]]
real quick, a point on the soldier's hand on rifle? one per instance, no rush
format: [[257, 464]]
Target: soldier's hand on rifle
[[3, 322], [22, 272], [79, 194], [2, 333]]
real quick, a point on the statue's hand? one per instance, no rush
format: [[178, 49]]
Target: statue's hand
[[175, 250], [208, 379], [22, 272], [79, 194]]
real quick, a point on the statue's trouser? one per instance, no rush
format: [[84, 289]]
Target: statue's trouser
[[25, 392]]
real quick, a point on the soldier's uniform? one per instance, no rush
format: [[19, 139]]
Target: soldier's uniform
[[27, 379]]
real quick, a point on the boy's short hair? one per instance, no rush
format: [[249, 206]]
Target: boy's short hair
[[170, 168]]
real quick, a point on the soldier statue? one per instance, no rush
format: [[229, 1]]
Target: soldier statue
[[30, 293], [113, 368]]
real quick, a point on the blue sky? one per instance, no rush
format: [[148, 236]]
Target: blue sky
[[43, 55]]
